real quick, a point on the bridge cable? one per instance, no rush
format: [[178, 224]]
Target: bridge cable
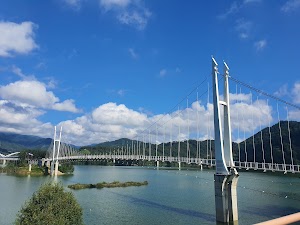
[[281, 141], [197, 114], [264, 93], [270, 139], [253, 139], [209, 127], [239, 147], [188, 130], [171, 138], [262, 141], [177, 105], [178, 153], [245, 147], [290, 140]]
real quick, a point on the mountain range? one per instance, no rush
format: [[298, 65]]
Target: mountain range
[[10, 142]]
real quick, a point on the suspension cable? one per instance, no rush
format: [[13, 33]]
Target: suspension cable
[[270, 138], [197, 114], [263, 92], [281, 141], [262, 142], [253, 139], [290, 140], [245, 146], [239, 147]]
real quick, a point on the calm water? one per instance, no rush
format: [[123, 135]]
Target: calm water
[[172, 196]]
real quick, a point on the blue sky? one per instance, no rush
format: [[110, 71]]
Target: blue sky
[[106, 69]]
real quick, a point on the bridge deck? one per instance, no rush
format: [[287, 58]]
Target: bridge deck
[[209, 162]]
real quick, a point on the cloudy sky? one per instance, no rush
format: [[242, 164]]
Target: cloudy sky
[[107, 69]]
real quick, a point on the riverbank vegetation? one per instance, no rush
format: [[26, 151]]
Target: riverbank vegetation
[[66, 168], [51, 205], [107, 185], [22, 170]]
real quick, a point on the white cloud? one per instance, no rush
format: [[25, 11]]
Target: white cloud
[[133, 53], [111, 113], [34, 93], [294, 115], [109, 4], [283, 91], [260, 45], [234, 7], [16, 114], [74, 4], [16, 38], [18, 71], [138, 19], [243, 27], [51, 82], [121, 92], [128, 12], [240, 97], [111, 121], [22, 120], [251, 1], [67, 106], [292, 93], [162, 72], [296, 93], [290, 5]]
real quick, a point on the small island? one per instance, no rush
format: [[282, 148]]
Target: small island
[[22, 170], [107, 185]]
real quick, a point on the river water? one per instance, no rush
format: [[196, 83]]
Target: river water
[[171, 197]]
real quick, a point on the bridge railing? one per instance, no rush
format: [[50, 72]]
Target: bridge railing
[[198, 161]]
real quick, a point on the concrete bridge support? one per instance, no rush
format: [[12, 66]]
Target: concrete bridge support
[[179, 165], [226, 198], [51, 168], [56, 168], [4, 163], [157, 164]]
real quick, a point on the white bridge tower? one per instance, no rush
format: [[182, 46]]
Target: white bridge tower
[[56, 148], [226, 176]]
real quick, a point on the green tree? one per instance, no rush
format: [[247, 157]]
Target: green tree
[[51, 205]]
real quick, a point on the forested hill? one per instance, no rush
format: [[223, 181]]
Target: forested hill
[[275, 143], [237, 147], [10, 142]]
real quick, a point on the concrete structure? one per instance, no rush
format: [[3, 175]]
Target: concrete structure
[[55, 150], [226, 176], [8, 157]]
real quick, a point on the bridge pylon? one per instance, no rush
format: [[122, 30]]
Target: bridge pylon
[[226, 176], [55, 151]]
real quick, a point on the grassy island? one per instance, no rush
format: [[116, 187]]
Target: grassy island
[[23, 170], [107, 185]]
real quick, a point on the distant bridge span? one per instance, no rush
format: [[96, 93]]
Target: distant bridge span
[[205, 162]]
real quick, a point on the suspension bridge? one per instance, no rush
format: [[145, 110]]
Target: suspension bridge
[[259, 122], [199, 132]]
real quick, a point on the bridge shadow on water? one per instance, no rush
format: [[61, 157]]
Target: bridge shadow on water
[[187, 212]]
